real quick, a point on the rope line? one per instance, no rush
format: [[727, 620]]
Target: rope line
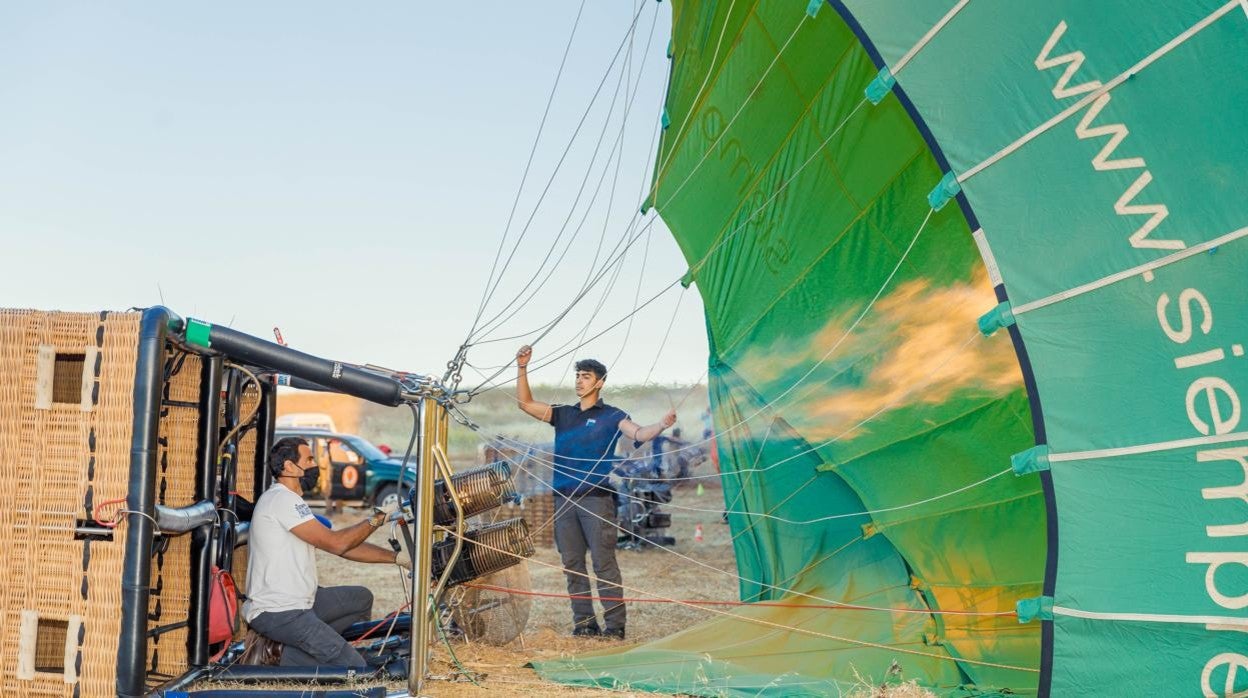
[[840, 340], [698, 602], [559, 164], [508, 311], [573, 502], [709, 150], [770, 624], [910, 54], [527, 165], [748, 98], [767, 516], [1103, 90]]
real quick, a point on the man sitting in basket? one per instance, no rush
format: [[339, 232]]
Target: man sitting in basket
[[284, 602]]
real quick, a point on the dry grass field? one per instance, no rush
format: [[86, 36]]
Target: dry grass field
[[547, 633]]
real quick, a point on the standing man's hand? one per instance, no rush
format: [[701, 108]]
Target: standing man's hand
[[524, 395], [669, 419]]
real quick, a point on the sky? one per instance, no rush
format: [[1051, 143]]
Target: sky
[[346, 172]]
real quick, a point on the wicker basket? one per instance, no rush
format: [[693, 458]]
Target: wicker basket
[[538, 511], [66, 411]]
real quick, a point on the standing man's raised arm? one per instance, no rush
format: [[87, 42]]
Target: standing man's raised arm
[[636, 432], [524, 395]]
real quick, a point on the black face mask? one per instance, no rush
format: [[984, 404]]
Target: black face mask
[[310, 477]]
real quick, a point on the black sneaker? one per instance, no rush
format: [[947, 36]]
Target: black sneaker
[[586, 631], [613, 633], [396, 669]]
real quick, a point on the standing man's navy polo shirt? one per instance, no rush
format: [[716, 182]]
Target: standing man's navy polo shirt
[[585, 447]]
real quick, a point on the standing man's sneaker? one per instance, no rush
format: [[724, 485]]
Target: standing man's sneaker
[[613, 633], [586, 631]]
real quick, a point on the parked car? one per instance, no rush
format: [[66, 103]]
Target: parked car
[[358, 470], [306, 420]]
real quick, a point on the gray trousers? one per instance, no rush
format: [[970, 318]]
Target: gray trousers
[[313, 637], [579, 530]]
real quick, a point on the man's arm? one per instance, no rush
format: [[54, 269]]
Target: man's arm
[[524, 395], [367, 552], [640, 434], [339, 542]]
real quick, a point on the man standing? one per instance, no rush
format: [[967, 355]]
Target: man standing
[[284, 602], [585, 438]]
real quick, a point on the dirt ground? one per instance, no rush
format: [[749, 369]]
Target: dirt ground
[[546, 635]]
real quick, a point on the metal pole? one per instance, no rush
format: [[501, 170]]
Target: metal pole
[[229, 468], [205, 488], [432, 416], [136, 569], [333, 375], [444, 466]]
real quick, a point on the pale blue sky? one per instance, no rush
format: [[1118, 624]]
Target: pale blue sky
[[341, 170]]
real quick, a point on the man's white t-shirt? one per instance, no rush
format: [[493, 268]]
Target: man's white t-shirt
[[281, 568]]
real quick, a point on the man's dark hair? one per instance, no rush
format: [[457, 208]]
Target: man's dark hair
[[286, 449], [594, 366]]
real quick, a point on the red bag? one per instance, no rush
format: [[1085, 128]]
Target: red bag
[[222, 607]]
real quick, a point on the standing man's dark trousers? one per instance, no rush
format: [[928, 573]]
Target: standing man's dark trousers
[[589, 528], [314, 637]]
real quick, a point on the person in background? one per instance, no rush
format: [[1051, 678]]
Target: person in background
[[586, 433]]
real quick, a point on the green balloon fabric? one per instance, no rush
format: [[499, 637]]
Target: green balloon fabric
[[858, 188]]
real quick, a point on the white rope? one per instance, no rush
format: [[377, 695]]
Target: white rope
[[840, 340], [520, 238], [892, 403], [721, 241], [1148, 448], [711, 148], [636, 220], [1151, 617], [927, 38], [759, 83], [663, 165], [793, 628], [718, 243], [1096, 94], [550, 465], [623, 80], [524, 177], [710, 66], [1130, 273], [574, 501]]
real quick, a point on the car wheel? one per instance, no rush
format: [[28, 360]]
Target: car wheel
[[386, 495]]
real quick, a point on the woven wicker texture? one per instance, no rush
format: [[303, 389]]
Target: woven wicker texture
[[175, 487], [239, 573], [56, 464], [538, 511], [246, 485]]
